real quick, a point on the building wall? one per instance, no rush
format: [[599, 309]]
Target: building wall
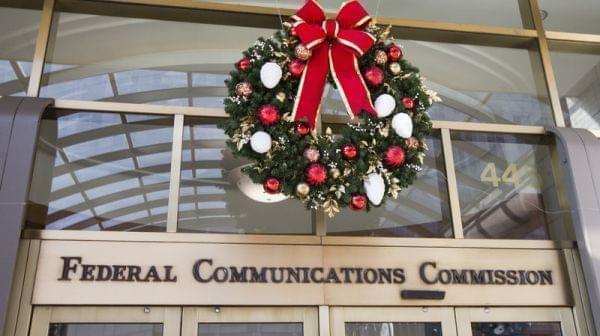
[[129, 155]]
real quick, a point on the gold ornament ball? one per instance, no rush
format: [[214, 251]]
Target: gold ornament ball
[[243, 89], [281, 96], [302, 52], [395, 68], [302, 190], [412, 143], [335, 173], [381, 57]]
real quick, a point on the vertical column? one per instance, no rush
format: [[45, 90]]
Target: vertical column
[[177, 146], [452, 185], [547, 64], [41, 46], [14, 188]]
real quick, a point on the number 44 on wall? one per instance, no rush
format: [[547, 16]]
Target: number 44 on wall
[[526, 175]]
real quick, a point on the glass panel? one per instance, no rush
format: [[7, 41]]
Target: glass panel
[[483, 12], [421, 210], [578, 80], [104, 329], [250, 329], [578, 16], [476, 83], [19, 29], [516, 329], [506, 186], [394, 329], [209, 198], [483, 84], [101, 171], [146, 61]]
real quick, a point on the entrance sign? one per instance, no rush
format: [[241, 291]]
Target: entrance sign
[[75, 272]]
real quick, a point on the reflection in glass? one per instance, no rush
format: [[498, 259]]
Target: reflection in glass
[[516, 329], [483, 12], [104, 329], [577, 16], [19, 29], [578, 80], [209, 199], [506, 186], [101, 171], [250, 329], [132, 60], [394, 329], [421, 210]]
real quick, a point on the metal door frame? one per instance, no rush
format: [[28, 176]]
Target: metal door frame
[[340, 315], [43, 316], [563, 315]]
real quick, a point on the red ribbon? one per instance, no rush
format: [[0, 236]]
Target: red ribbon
[[335, 46]]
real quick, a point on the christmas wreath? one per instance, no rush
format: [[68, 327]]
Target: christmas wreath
[[275, 95]]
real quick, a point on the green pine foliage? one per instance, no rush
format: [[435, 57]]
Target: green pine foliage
[[372, 135]]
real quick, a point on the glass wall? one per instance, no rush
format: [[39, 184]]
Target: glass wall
[[577, 16], [421, 210], [212, 197], [506, 186], [112, 171], [19, 29], [482, 83], [578, 81], [101, 171], [131, 60]]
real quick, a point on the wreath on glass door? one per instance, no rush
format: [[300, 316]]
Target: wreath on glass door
[[275, 95]]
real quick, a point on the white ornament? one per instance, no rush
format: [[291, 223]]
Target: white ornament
[[260, 142], [385, 105], [402, 124], [270, 75], [252, 190], [375, 188]]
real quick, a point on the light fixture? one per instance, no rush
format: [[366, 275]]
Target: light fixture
[[147, 310], [252, 190], [217, 309]]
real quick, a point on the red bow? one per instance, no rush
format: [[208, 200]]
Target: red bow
[[335, 46]]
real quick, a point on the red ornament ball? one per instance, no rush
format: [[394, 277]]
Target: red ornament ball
[[315, 174], [408, 102], [244, 64], [395, 53], [374, 76], [358, 202], [349, 152], [272, 185], [268, 115], [296, 67], [302, 128], [394, 156]]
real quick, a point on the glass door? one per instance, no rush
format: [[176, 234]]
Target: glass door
[[105, 321], [243, 321], [393, 322], [515, 322]]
